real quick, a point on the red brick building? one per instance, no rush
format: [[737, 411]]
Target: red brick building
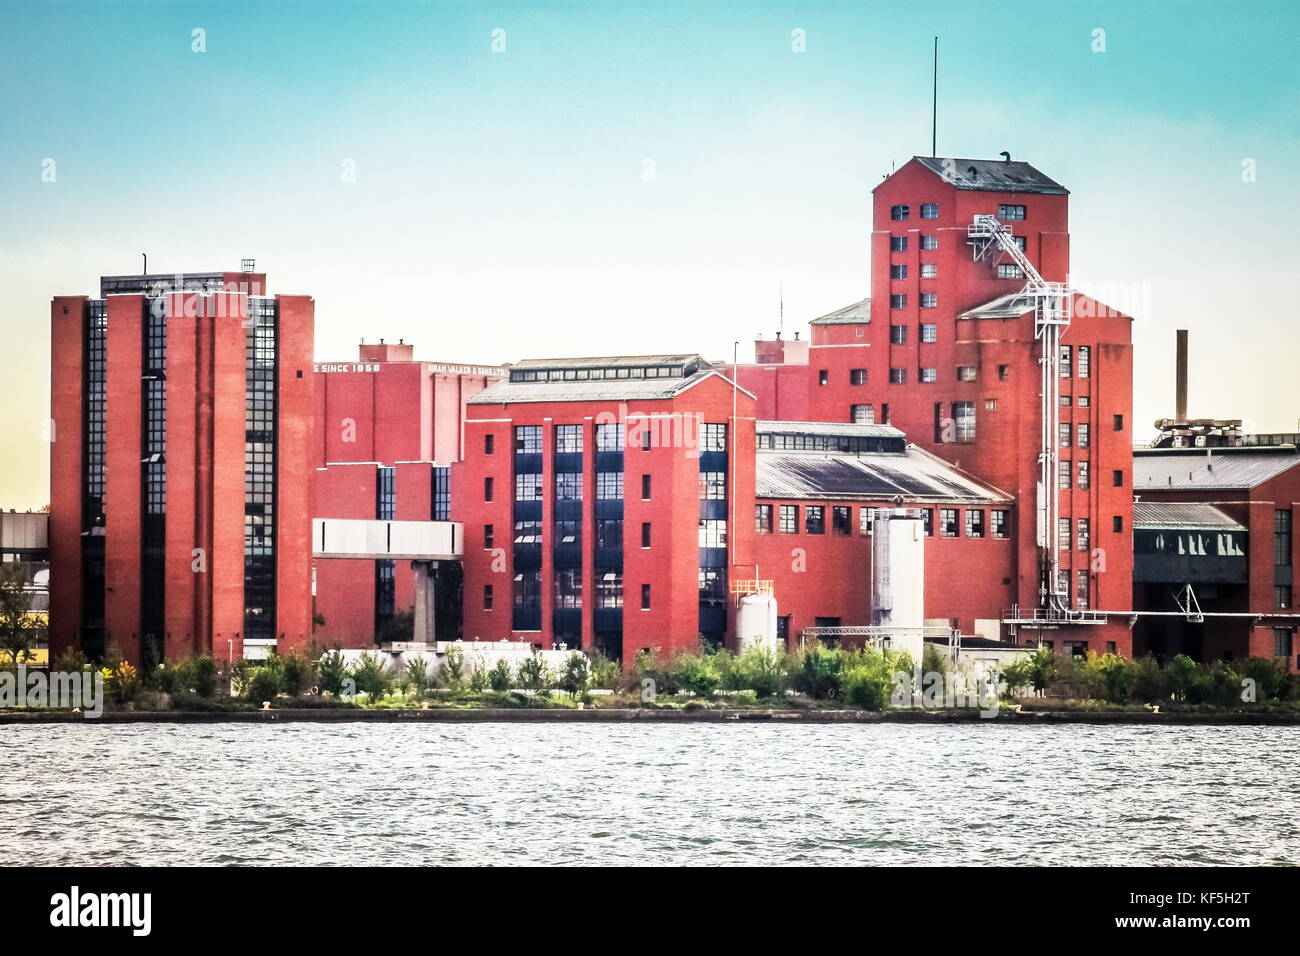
[[180, 468]]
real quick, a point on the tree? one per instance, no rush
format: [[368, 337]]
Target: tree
[[19, 633]]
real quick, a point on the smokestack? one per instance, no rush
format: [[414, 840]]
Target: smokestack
[[1180, 377]]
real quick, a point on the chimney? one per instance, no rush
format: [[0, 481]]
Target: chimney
[[1180, 377]]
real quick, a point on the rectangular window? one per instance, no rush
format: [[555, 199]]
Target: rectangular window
[[1063, 434], [645, 534], [899, 213], [487, 597], [929, 210], [489, 537], [898, 376], [948, 527], [864, 521], [884, 413], [568, 588], [645, 597], [1117, 423], [1117, 478], [713, 533], [863, 414], [609, 533], [966, 373], [609, 589], [763, 519], [1117, 524], [974, 522], [1282, 538], [1004, 372], [713, 437], [568, 486], [1085, 361], [1083, 435], [789, 519], [929, 300], [929, 242], [898, 302], [990, 404], [609, 485], [841, 520], [929, 270], [568, 438], [1009, 271], [998, 523], [1066, 401], [489, 444], [645, 487], [1065, 361], [487, 489], [898, 272], [1084, 534], [1063, 534], [611, 436], [963, 416], [1083, 401], [929, 332], [927, 515], [1008, 213], [814, 519], [528, 439], [1282, 596], [713, 486], [528, 487], [823, 377], [898, 243], [857, 376], [929, 375], [1081, 589], [1083, 476], [898, 334], [1281, 642], [1063, 474]]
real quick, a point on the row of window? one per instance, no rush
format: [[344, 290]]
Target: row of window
[[610, 436], [929, 300], [568, 590], [899, 243], [814, 520], [1007, 212], [929, 270]]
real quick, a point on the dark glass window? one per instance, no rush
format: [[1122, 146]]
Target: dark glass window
[[260, 365], [814, 519]]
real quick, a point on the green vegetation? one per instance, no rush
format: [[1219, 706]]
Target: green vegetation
[[19, 631]]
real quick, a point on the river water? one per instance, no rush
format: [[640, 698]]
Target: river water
[[693, 794]]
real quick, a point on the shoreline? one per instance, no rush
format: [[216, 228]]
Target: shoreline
[[633, 715]]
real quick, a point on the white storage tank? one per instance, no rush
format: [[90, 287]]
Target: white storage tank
[[756, 622], [898, 578]]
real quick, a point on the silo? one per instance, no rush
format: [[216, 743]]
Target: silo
[[756, 622], [898, 578]]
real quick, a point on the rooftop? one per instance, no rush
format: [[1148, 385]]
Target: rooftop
[[827, 428], [1010, 306], [915, 475], [611, 361], [1182, 516], [992, 175], [857, 313], [1202, 469]]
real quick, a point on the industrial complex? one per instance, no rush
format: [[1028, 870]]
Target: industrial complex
[[951, 458]]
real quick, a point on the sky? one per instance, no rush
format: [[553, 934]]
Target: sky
[[622, 178]]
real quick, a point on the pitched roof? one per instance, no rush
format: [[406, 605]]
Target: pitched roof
[[603, 390], [992, 175], [856, 313], [852, 430], [610, 361], [1010, 306], [915, 476], [1200, 469], [1182, 516]]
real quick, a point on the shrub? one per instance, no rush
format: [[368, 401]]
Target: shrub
[[417, 676], [605, 674], [1109, 677], [697, 673], [934, 661], [758, 669], [478, 680], [1271, 680], [499, 677], [264, 683], [332, 671], [296, 671], [534, 675], [71, 661], [453, 668], [123, 682], [1182, 676], [372, 676], [867, 688], [203, 676], [576, 674], [820, 673]]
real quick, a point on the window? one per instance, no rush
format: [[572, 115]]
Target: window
[[1066, 401], [713, 438], [1063, 434], [763, 519], [974, 522], [1019, 241], [609, 485], [929, 210], [899, 213], [1084, 534], [487, 489], [948, 527], [929, 270], [1063, 534], [645, 437], [965, 373], [1281, 642], [884, 413], [898, 272], [841, 520], [898, 243], [1063, 474], [568, 438], [1083, 476], [963, 416], [609, 589], [1085, 361], [927, 515], [489, 444], [864, 521], [1083, 401], [645, 597], [823, 377], [1065, 361], [898, 376], [489, 537], [568, 486], [929, 242], [645, 534], [858, 376], [1081, 589], [1282, 596], [609, 533], [713, 533], [898, 334], [487, 597], [814, 521], [1011, 213], [929, 300], [898, 302], [1117, 524], [528, 439], [1117, 478], [1083, 435], [1008, 271], [863, 414], [789, 519], [1117, 423], [928, 375], [998, 523], [610, 436], [990, 404], [528, 487], [929, 332], [1282, 538], [568, 588], [1003, 372], [645, 487], [713, 486]]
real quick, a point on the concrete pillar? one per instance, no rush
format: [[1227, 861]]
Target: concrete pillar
[[423, 631]]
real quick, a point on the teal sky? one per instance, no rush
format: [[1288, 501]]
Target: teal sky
[[501, 207]]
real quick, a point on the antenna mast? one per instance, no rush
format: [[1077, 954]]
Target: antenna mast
[[934, 104]]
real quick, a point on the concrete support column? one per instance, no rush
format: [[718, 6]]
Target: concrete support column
[[423, 631]]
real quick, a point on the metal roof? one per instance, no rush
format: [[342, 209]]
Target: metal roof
[[608, 361], [601, 390], [915, 476], [1003, 307], [1203, 469], [1182, 516], [857, 313], [827, 428], [992, 175]]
